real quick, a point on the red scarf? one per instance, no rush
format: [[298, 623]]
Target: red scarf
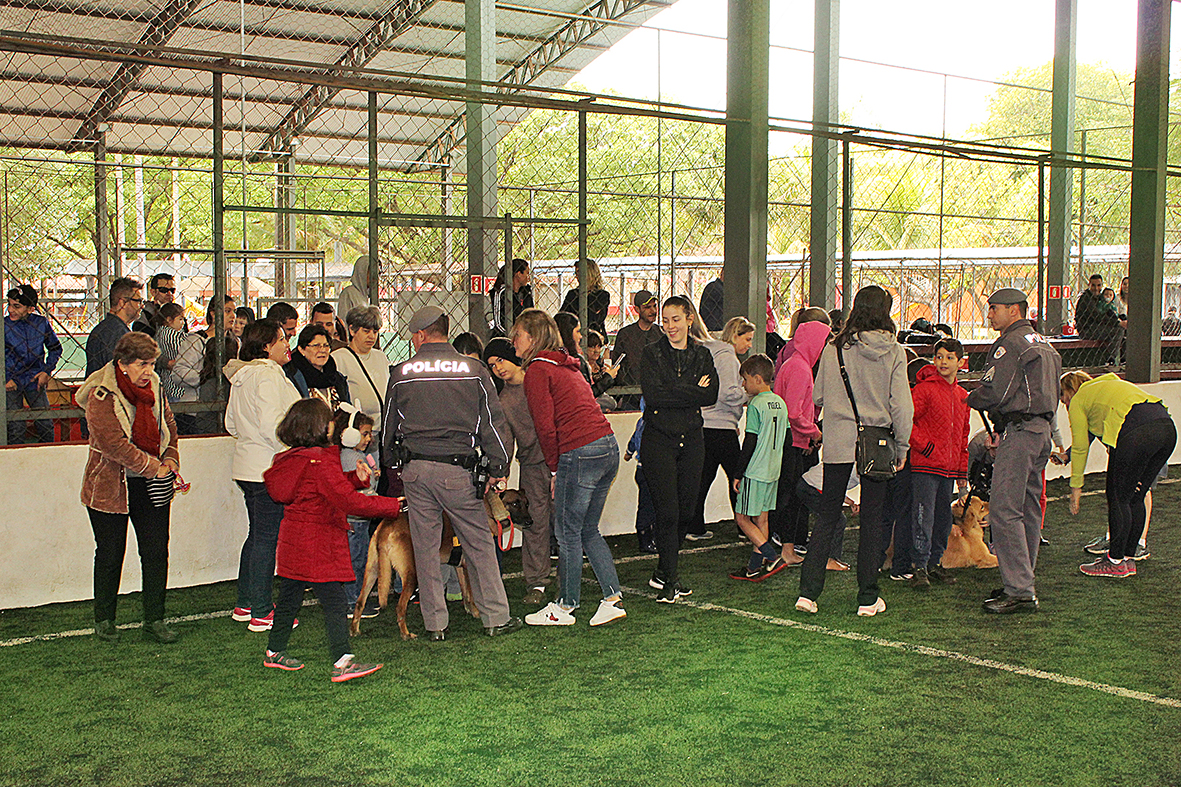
[[145, 434]]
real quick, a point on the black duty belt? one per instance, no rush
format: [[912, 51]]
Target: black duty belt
[[466, 461], [1001, 420]]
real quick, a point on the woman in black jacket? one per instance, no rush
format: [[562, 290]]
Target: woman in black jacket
[[313, 371], [677, 378], [598, 300]]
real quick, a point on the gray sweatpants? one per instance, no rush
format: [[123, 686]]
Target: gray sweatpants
[[432, 488], [535, 559], [1014, 510]]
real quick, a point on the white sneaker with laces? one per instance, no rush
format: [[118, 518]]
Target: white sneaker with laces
[[608, 611], [872, 609], [550, 615], [806, 605]]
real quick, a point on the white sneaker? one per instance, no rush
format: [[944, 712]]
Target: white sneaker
[[872, 609], [608, 611], [550, 615], [806, 605]]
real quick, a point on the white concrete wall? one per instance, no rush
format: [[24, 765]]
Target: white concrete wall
[[47, 549]]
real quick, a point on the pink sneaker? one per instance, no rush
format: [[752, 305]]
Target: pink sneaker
[[240, 615], [264, 624], [1106, 567]]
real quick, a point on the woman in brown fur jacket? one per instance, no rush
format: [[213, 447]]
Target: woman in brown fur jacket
[[129, 473]]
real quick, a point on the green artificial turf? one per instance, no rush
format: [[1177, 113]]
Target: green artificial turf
[[670, 696]]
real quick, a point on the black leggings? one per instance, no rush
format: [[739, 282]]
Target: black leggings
[[332, 601], [721, 449], [789, 520], [832, 497], [673, 470], [1139, 454], [110, 544]]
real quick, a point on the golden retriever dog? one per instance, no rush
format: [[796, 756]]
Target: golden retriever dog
[[390, 550], [965, 545]]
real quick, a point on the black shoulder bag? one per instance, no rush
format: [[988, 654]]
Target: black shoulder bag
[[875, 444]]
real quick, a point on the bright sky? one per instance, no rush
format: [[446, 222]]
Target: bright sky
[[962, 39]]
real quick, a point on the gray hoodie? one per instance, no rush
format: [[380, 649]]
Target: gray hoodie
[[357, 292], [731, 397], [877, 373]]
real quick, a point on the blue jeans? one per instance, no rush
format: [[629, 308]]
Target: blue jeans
[[359, 554], [932, 517], [37, 398], [256, 566], [580, 491]]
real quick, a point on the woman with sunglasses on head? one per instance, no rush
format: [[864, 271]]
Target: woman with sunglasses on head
[[677, 378]]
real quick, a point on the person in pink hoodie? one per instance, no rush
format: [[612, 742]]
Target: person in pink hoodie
[[793, 384]]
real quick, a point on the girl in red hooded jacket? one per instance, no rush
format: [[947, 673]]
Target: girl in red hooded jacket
[[313, 545], [938, 457]]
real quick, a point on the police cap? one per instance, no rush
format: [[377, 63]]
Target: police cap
[[1007, 296], [424, 318]]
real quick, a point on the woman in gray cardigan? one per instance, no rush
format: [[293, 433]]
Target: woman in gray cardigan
[[876, 365]]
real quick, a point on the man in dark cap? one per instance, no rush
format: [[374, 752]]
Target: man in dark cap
[[442, 415], [1019, 391], [630, 343], [31, 353]]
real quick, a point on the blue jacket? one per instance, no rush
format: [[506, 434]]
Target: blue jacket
[[100, 344], [30, 347]]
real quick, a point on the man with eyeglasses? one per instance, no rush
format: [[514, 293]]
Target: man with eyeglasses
[[162, 288], [125, 305]]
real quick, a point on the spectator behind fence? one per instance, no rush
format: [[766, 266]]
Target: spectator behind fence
[[710, 306], [522, 295], [209, 423], [182, 355], [1171, 324], [287, 317], [31, 353], [875, 365], [243, 316], [260, 395], [631, 341], [720, 421], [355, 295], [323, 315], [130, 472], [1094, 320], [571, 334], [125, 302], [161, 291], [365, 367], [598, 300], [312, 370]]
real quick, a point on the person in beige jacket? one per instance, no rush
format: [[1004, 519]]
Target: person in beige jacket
[[130, 472], [260, 395]]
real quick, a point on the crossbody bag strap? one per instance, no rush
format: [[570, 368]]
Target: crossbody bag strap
[[848, 387], [373, 385]]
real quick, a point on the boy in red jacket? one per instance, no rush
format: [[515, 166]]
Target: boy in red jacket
[[938, 458], [313, 536]]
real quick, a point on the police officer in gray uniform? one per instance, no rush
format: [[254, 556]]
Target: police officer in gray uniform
[[440, 408], [1019, 391]]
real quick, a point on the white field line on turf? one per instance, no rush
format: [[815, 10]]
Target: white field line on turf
[[923, 650]]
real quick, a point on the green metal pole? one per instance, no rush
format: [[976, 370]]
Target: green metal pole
[[1061, 177], [374, 207], [846, 226], [1149, 149], [219, 241], [582, 219], [825, 117]]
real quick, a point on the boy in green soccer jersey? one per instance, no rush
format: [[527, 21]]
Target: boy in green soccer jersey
[[762, 454]]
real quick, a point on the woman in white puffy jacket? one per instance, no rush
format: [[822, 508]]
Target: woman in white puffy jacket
[[260, 395]]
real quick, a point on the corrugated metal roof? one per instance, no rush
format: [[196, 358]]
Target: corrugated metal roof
[[58, 102]]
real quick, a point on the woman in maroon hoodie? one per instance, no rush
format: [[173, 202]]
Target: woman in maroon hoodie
[[580, 448], [313, 537]]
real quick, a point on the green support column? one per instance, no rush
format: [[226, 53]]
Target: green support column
[[1149, 148], [747, 87], [1057, 311], [374, 208], [826, 169], [219, 240], [101, 218], [483, 243]]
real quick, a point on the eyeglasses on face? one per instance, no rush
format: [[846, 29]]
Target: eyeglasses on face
[[319, 346], [166, 289]]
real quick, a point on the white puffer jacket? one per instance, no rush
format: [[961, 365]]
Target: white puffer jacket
[[260, 395]]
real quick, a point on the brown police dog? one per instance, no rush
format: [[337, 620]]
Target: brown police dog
[[965, 545], [390, 550]]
